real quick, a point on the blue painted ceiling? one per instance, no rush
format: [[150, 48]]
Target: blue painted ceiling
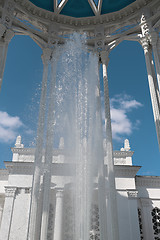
[[82, 8]]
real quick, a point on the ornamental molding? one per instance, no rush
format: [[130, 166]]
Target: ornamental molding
[[123, 154], [117, 26], [148, 181], [26, 151], [64, 169], [132, 193], [24, 190], [10, 191], [47, 28], [31, 151], [120, 15]]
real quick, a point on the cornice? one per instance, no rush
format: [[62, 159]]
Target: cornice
[[27, 168], [126, 171], [148, 181], [120, 15], [43, 19], [64, 169]]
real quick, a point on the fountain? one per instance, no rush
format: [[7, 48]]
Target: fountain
[[75, 97]]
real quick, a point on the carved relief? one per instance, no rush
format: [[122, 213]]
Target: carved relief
[[10, 191], [69, 223], [156, 222], [7, 13], [140, 223], [132, 194], [95, 227], [51, 221]]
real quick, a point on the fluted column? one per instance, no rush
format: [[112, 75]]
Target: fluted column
[[5, 38], [109, 148], [152, 87], [10, 193], [147, 219], [58, 216], [49, 149], [39, 148]]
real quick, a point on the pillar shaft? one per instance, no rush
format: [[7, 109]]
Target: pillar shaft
[[7, 36], [39, 149], [48, 154], [152, 87], [146, 219], [58, 216], [7, 212], [101, 173], [133, 215], [154, 42], [112, 200]]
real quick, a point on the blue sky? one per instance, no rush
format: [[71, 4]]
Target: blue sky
[[131, 110]]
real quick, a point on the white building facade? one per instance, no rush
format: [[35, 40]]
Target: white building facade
[[138, 198]]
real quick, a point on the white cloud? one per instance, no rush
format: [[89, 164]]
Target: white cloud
[[122, 125], [9, 126]]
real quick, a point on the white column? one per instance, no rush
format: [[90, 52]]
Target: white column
[[58, 216], [10, 193], [154, 42], [101, 171], [158, 48], [133, 215], [49, 149], [1, 212], [147, 219], [112, 200], [152, 87], [7, 36], [39, 148]]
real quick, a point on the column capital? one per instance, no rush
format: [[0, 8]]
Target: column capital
[[132, 193], [104, 55], [9, 34], [145, 44], [10, 191], [46, 55], [2, 29], [8, 13], [59, 193]]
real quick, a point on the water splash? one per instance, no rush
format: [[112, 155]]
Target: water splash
[[78, 121]]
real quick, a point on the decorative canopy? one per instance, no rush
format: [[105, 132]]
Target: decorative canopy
[[82, 8]]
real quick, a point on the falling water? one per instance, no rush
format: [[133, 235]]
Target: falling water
[[78, 117]]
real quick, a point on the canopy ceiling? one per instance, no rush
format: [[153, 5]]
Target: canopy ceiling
[[82, 8]]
